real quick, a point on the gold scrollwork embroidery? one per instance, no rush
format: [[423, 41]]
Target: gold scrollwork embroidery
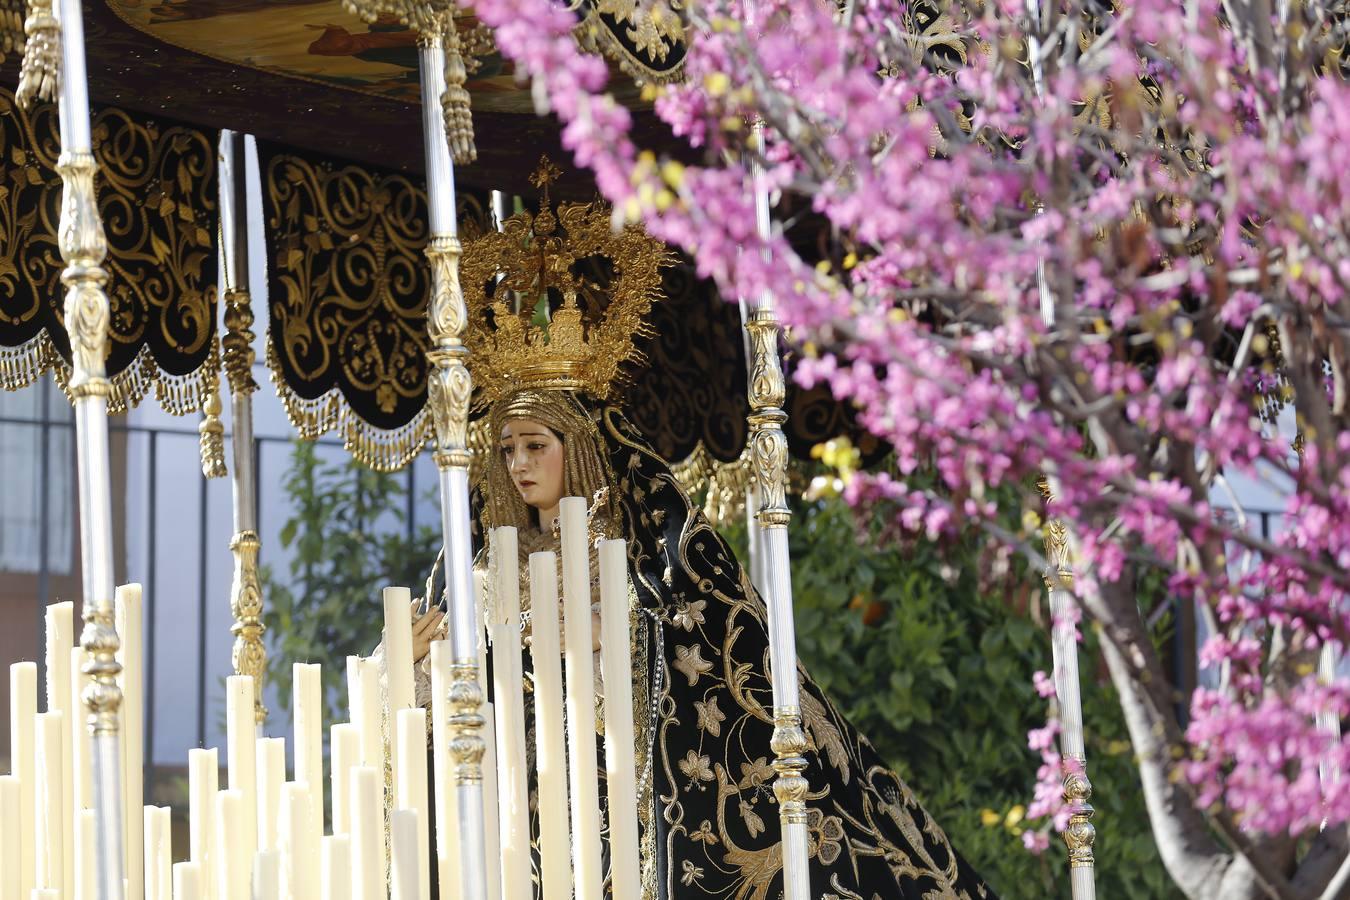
[[154, 190], [348, 305]]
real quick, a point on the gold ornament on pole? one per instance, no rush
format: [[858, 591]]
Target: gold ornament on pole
[[83, 247], [249, 656], [211, 431], [434, 22], [1080, 835], [769, 455], [40, 73]]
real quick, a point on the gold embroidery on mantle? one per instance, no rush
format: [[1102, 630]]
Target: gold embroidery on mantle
[[156, 195]]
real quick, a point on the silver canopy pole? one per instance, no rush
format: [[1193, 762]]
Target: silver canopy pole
[[249, 656], [448, 392], [87, 314], [769, 454]]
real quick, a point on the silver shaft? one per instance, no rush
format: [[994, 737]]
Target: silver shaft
[[83, 248], [448, 391]]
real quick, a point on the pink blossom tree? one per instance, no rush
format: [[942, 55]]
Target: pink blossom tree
[[1100, 245]]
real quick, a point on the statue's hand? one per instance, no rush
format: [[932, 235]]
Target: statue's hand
[[424, 631]]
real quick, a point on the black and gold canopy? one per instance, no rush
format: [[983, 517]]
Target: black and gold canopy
[[157, 197], [334, 103], [347, 335]]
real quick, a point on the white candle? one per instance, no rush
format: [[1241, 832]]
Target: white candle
[[22, 709], [367, 827], [267, 874], [271, 757], [616, 665], [203, 785], [86, 875], [509, 707], [82, 772], [11, 838], [241, 725], [299, 853], [336, 867], [512, 792], [491, 835], [411, 741], [60, 641], [398, 647], [550, 743], [404, 864], [345, 747], [447, 823], [583, 775], [128, 605], [82, 769], [158, 853], [363, 681], [491, 826], [187, 881], [231, 854], [368, 716], [307, 701], [52, 811]]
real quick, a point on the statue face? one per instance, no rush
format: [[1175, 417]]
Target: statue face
[[533, 455]]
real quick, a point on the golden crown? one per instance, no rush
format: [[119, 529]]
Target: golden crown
[[556, 299]]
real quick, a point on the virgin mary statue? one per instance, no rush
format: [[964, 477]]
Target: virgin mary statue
[[702, 695], [703, 710]]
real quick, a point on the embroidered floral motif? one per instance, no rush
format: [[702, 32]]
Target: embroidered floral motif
[[704, 834], [696, 767], [754, 824], [826, 832], [710, 718], [687, 614], [691, 874], [755, 773], [690, 662]]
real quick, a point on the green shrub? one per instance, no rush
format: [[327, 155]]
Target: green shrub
[[929, 649], [330, 605]]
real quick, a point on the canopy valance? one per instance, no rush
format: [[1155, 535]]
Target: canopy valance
[[157, 193]]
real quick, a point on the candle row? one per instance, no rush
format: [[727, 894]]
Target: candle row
[[262, 835]]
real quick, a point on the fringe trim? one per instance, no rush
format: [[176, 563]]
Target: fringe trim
[[722, 484], [178, 395], [377, 448]]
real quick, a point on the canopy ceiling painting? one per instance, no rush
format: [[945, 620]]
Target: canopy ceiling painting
[[321, 40]]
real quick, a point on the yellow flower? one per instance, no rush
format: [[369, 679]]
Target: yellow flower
[[989, 818]]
